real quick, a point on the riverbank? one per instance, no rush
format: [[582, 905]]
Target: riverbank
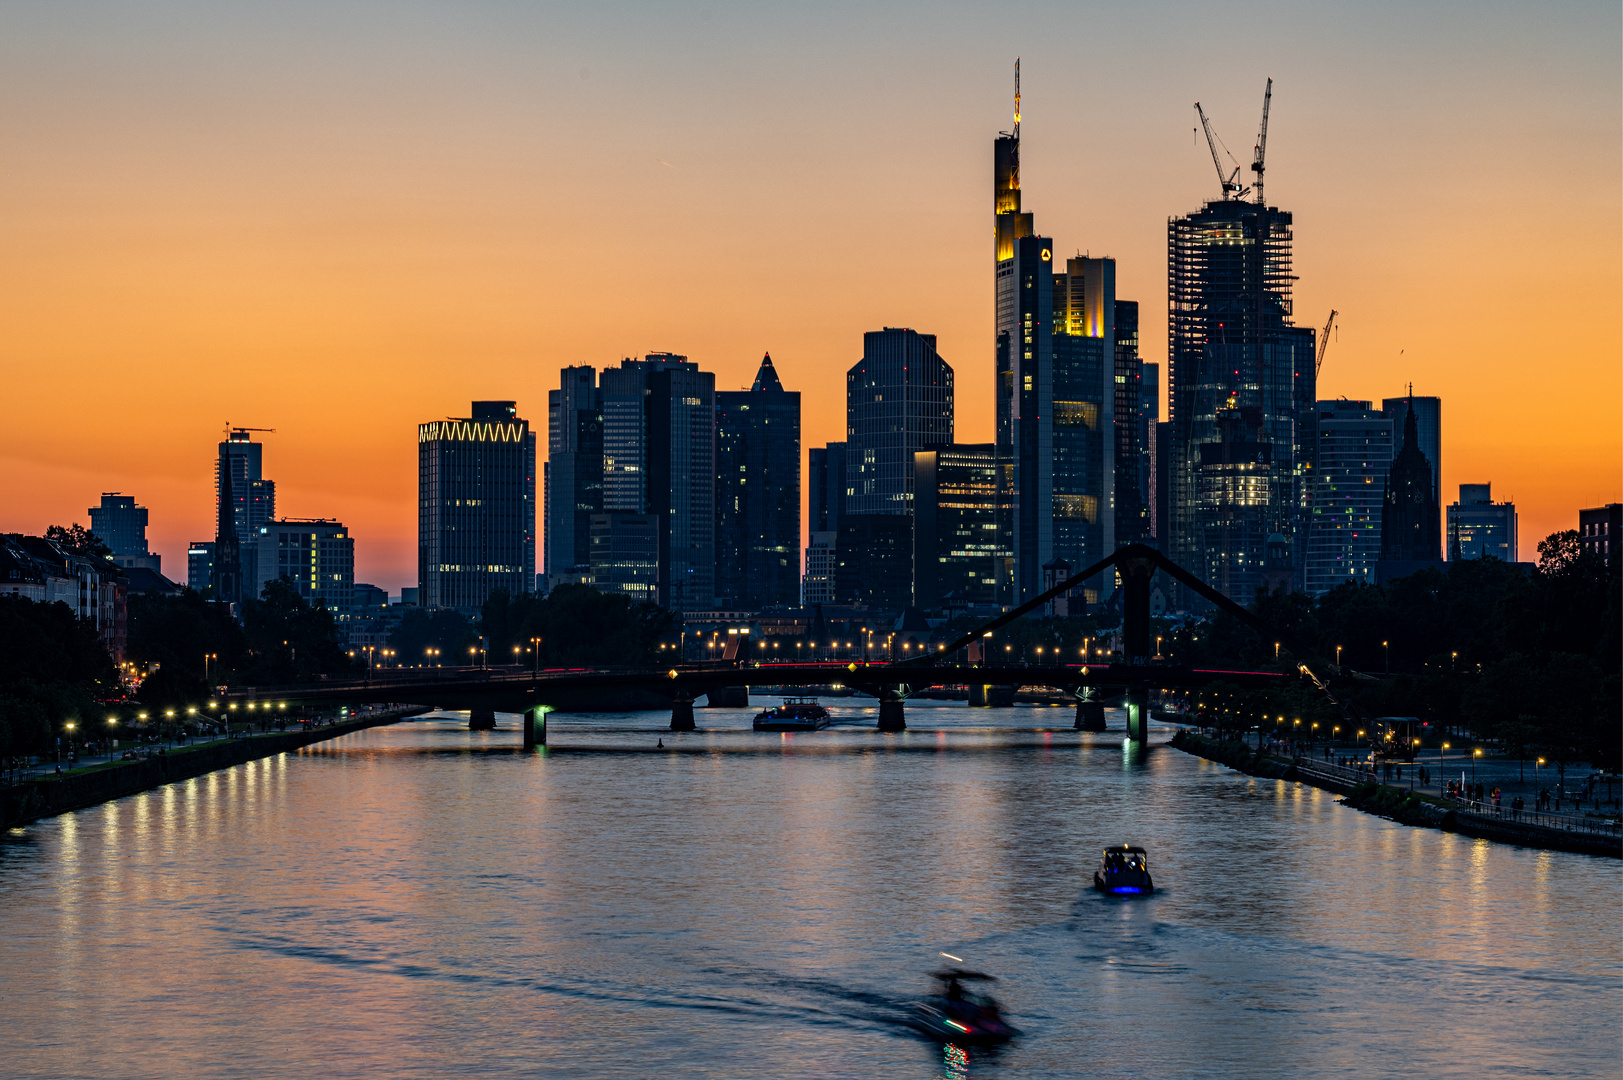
[[44, 796], [1403, 805]]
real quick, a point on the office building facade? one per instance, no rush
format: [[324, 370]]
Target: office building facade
[[898, 400], [624, 554], [1349, 483], [1479, 528], [476, 507], [316, 556], [1599, 530], [874, 561], [822, 561], [758, 494], [199, 565], [957, 547]]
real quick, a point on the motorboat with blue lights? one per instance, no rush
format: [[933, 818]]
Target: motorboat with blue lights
[[795, 714], [959, 1015], [1124, 871]]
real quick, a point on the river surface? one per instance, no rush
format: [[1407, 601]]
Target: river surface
[[422, 901]]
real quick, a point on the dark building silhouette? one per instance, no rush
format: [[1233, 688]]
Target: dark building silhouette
[[573, 475], [225, 575], [874, 561], [1132, 506], [475, 507], [826, 487], [758, 494], [898, 400], [1409, 513]]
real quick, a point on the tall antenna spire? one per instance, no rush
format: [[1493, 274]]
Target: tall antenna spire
[[1017, 97]]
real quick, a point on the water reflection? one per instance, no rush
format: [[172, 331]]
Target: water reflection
[[424, 901]]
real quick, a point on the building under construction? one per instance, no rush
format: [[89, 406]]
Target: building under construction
[[1241, 385]]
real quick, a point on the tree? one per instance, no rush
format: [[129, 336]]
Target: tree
[[443, 629], [580, 627], [53, 668], [79, 540], [288, 639]]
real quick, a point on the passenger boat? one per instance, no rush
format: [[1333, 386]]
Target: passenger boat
[[795, 714], [1123, 871]]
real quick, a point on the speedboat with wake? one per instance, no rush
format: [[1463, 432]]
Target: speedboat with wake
[[960, 1015], [795, 714], [1123, 871]]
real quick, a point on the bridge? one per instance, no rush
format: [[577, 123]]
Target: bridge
[[536, 693]]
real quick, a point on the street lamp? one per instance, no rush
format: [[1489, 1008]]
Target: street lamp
[[206, 658], [1338, 656], [69, 725], [535, 649], [1476, 753], [112, 722], [1386, 649]]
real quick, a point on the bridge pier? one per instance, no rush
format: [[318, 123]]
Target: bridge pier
[[1138, 714], [481, 719], [682, 712], [891, 717], [990, 696], [535, 727], [1090, 712]]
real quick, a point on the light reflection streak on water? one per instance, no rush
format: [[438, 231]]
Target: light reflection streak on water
[[420, 901]]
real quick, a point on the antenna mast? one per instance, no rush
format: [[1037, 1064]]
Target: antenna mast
[[1014, 156], [1262, 139]]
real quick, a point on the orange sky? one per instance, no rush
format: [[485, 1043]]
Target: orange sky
[[339, 220]]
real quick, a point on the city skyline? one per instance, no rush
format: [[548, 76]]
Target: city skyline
[[240, 251]]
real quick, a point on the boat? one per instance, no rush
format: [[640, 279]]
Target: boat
[[959, 1015], [1123, 871], [795, 714]]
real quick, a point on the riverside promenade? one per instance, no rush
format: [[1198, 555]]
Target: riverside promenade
[[1375, 793], [45, 794]]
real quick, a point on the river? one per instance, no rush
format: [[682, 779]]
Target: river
[[422, 901]]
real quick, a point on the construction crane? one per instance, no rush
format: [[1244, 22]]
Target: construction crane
[[231, 430], [1324, 340], [1262, 141], [1230, 182]]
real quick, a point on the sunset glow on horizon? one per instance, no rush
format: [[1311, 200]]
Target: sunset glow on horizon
[[341, 221]]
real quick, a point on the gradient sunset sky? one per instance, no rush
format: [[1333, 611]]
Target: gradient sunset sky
[[341, 219]]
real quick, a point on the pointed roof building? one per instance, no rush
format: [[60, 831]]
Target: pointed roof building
[[1409, 530], [767, 377]]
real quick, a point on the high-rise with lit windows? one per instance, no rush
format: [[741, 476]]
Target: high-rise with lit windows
[[475, 507]]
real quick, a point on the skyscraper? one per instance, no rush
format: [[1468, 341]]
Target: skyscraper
[[758, 494], [898, 400], [1132, 508], [1057, 350], [658, 458], [225, 571], [1240, 385], [1479, 528], [1349, 481], [475, 507], [573, 476], [252, 498], [1409, 527], [122, 526]]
